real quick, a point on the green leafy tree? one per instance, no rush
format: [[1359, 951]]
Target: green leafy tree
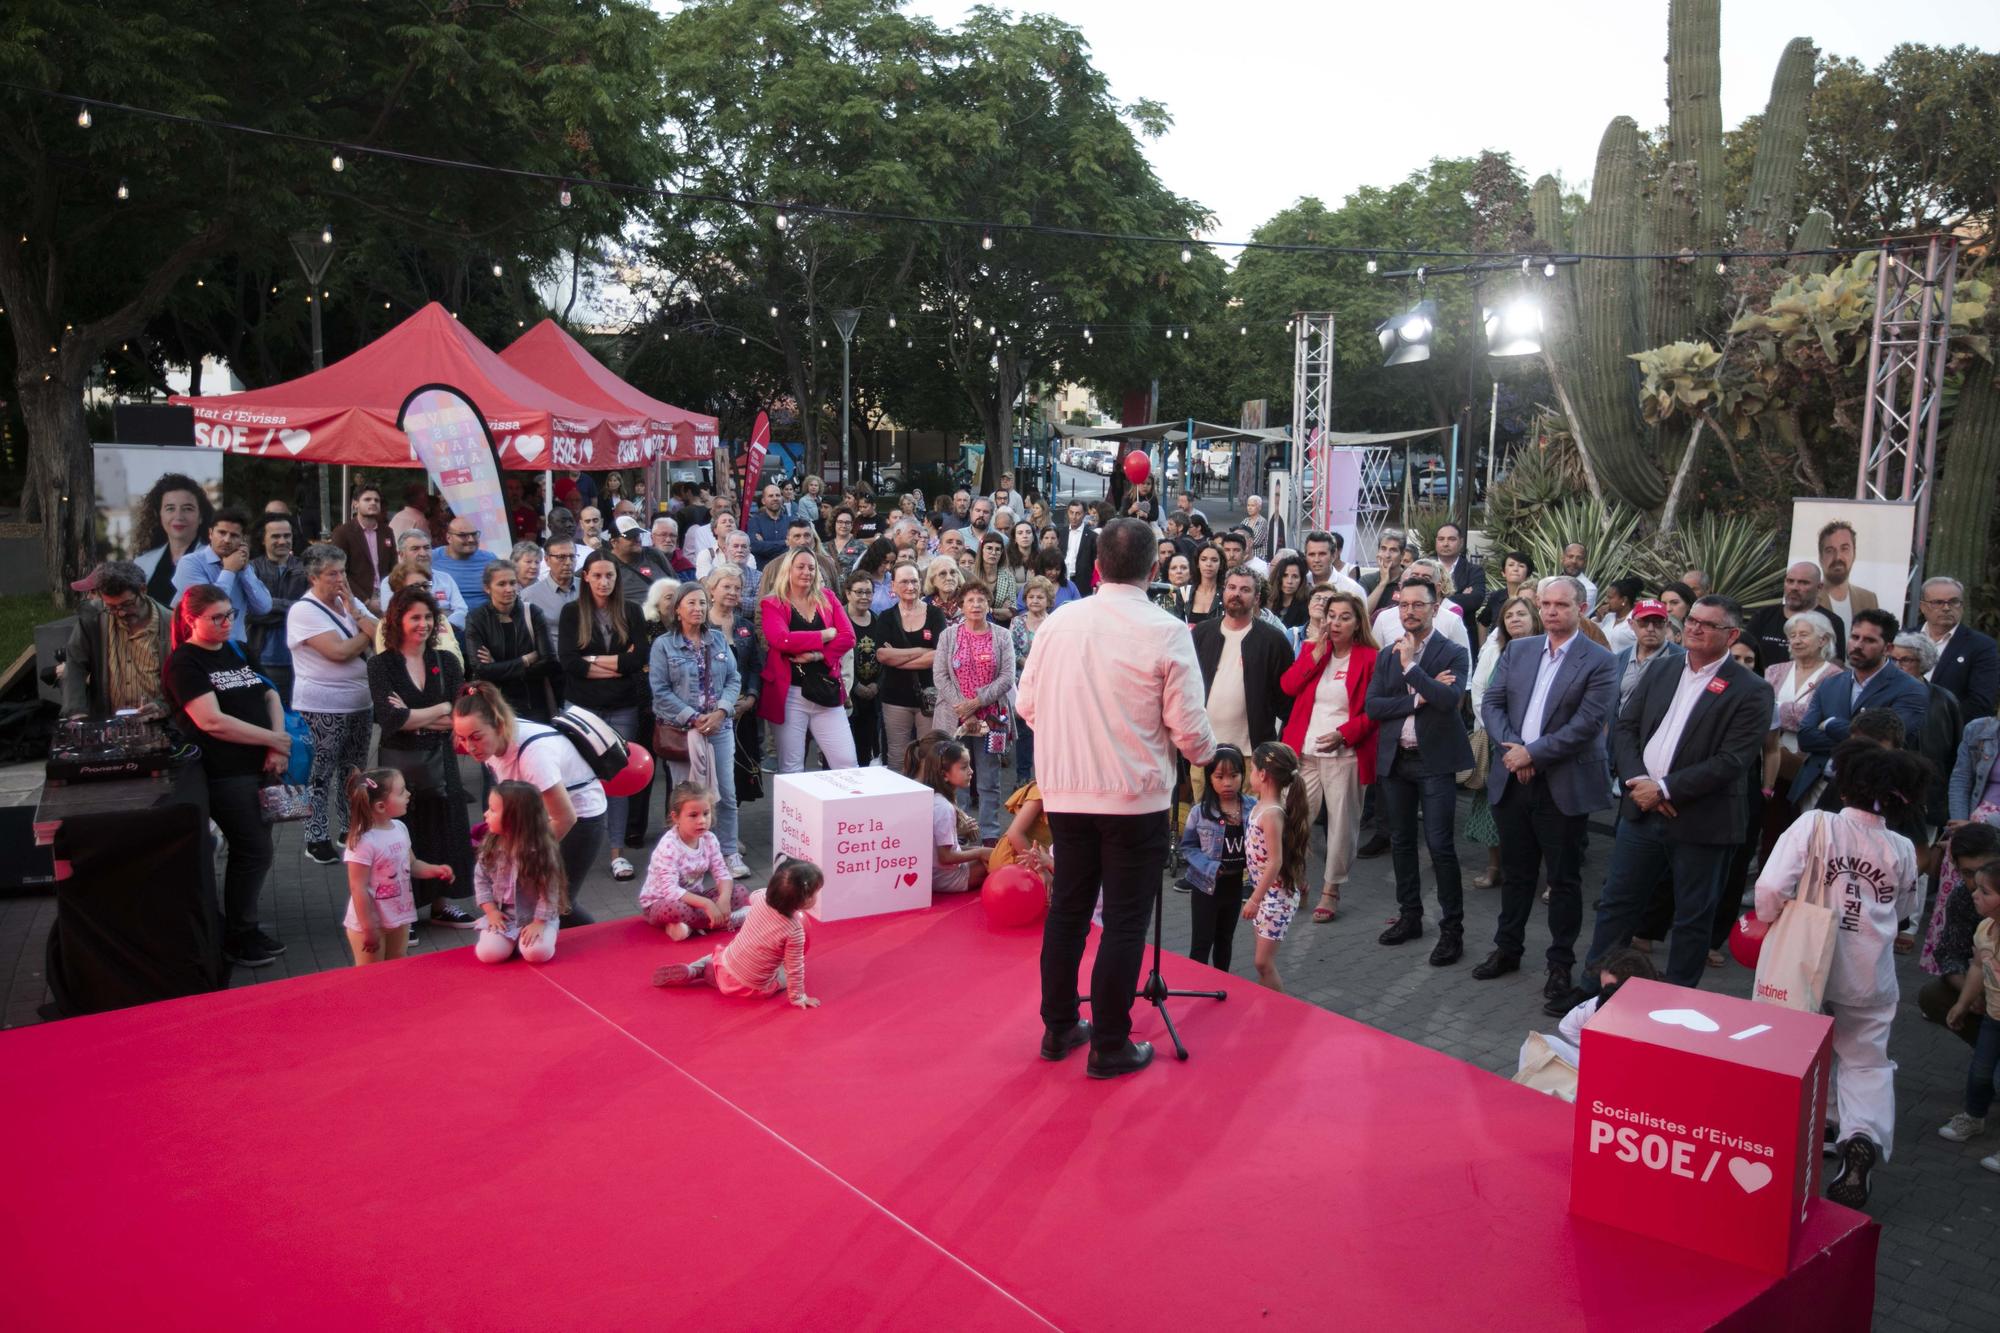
[[186, 264]]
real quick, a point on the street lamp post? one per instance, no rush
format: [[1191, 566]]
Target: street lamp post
[[844, 321], [315, 253]]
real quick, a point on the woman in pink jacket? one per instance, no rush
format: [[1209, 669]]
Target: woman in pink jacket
[[1332, 732], [807, 634]]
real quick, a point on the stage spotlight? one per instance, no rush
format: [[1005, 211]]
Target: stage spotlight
[[1406, 338], [1514, 329]]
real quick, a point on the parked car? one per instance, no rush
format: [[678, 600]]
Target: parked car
[[1102, 461]]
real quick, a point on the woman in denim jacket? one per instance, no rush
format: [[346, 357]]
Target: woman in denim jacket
[[1212, 845], [695, 685]]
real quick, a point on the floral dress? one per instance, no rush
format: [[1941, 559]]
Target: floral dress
[[1274, 914]]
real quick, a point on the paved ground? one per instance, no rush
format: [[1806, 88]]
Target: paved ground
[[1937, 1207]]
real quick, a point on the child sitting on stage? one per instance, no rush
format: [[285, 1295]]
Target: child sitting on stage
[[517, 878], [1280, 821], [1870, 876], [1618, 967], [946, 768], [687, 858], [380, 902], [771, 950]]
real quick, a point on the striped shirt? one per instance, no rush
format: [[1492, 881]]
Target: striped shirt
[[768, 939]]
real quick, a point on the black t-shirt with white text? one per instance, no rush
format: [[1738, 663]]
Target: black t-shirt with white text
[[193, 671]]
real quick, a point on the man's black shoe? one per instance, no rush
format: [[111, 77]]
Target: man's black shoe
[[1402, 930], [1375, 846], [1055, 1045], [248, 953], [1497, 964], [270, 943], [1560, 1006], [1558, 983], [1450, 948], [1857, 1158], [1134, 1057]]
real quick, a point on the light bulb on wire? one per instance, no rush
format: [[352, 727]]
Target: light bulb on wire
[[986, 240], [326, 236], [1372, 265], [774, 312], [563, 196], [124, 190], [1186, 254], [339, 162], [83, 119], [1549, 269], [1721, 268], [781, 221], [496, 270], [892, 319]]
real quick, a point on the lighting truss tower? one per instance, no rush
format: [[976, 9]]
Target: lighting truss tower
[[1906, 364], [1312, 416]]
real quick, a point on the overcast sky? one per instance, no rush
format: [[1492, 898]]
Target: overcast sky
[[1276, 99]]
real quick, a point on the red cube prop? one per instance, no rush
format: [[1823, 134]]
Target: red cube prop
[[1698, 1121]]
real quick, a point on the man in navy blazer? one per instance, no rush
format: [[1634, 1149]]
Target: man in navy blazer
[[1545, 713], [1968, 661], [1421, 747], [1870, 681]]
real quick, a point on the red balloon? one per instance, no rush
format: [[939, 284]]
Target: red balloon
[[1014, 896], [638, 771], [1746, 940], [1138, 467]]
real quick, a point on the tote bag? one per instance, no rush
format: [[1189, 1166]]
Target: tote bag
[[1544, 1070], [1798, 951]]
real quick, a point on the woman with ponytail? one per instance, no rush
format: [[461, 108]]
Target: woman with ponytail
[[1282, 821]]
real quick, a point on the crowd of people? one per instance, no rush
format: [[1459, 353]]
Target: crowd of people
[[1221, 693]]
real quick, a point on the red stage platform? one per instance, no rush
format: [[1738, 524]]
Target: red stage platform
[[437, 1143]]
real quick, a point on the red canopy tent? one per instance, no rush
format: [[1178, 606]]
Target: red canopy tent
[[547, 354], [347, 412]]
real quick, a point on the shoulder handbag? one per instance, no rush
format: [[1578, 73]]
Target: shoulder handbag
[[670, 742], [1474, 778], [1797, 956]]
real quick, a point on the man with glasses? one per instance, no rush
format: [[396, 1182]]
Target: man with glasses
[[1421, 747], [279, 570], [1682, 750], [415, 547], [225, 563], [1968, 662], [463, 564], [117, 647]]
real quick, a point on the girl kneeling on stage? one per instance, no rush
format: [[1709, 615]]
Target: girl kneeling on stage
[[771, 950], [517, 878]]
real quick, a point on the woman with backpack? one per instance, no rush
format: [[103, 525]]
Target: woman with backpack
[[516, 750]]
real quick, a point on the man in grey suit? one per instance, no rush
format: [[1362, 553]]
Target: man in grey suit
[[1421, 746], [1545, 712]]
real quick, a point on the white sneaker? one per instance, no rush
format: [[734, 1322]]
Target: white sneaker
[[621, 869], [738, 868], [1991, 1163], [1963, 1128]]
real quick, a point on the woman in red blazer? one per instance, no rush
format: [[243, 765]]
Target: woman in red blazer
[[806, 633], [1332, 732]]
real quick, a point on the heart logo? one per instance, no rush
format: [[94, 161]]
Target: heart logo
[[910, 879], [1752, 1176], [529, 447], [295, 441], [1692, 1019]]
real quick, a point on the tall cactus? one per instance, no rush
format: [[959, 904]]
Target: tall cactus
[[1606, 310], [1591, 330], [1962, 505], [1815, 233], [1781, 146]]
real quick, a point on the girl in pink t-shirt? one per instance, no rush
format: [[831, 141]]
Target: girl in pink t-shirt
[[381, 904]]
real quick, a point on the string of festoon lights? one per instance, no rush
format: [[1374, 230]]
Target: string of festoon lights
[[783, 212]]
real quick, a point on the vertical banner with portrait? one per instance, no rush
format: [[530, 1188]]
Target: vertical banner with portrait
[[450, 439], [1863, 548]]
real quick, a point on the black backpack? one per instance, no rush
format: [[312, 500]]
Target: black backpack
[[601, 747]]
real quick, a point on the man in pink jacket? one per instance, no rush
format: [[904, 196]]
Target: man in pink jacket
[[1114, 686]]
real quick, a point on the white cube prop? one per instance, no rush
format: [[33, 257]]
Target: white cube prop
[[869, 829]]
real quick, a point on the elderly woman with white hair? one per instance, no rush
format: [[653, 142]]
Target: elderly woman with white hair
[[1809, 637]]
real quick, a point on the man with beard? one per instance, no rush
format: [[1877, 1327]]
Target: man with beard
[[1836, 557], [1803, 589]]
